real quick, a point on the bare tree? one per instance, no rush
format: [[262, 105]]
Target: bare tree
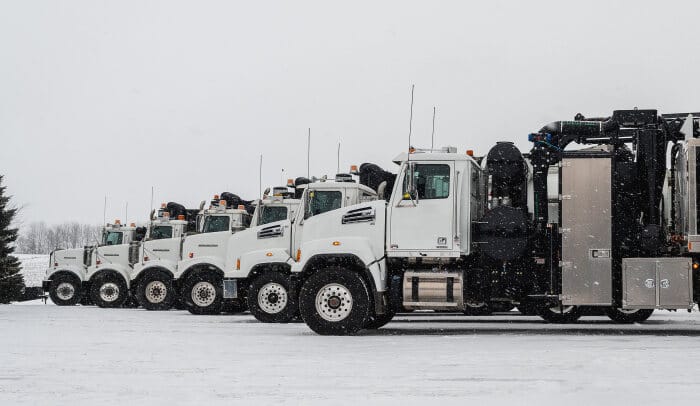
[[38, 238]]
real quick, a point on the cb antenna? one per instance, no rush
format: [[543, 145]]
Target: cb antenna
[[338, 169], [126, 213], [104, 212], [308, 156], [410, 124], [432, 136], [260, 178], [151, 201]]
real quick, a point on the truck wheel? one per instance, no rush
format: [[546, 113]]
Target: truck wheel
[[65, 290], [270, 298], [335, 301], [377, 321], [108, 291], [203, 293], [560, 314], [628, 316], [156, 291]]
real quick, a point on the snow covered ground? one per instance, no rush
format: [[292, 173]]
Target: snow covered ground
[[33, 268], [85, 356]]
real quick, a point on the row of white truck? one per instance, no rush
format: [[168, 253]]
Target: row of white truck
[[228, 257], [613, 226]]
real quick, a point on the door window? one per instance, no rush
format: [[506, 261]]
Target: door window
[[431, 181]]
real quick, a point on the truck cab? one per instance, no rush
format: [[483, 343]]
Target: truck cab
[[357, 265], [68, 276], [157, 278]]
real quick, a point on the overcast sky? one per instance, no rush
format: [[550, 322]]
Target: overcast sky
[[112, 97]]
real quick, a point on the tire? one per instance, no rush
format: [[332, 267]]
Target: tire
[[335, 301], [156, 291], [65, 290], [560, 314], [628, 316], [203, 293], [109, 291], [270, 298], [378, 321]]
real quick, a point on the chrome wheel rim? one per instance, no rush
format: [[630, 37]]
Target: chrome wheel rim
[[65, 291], [272, 298], [203, 294], [334, 302], [109, 292], [156, 292]]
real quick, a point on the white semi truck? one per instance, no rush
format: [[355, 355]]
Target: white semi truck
[[454, 232], [67, 278], [206, 265], [156, 279], [109, 273], [255, 266]]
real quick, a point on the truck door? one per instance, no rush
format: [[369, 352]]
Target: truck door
[[422, 210]]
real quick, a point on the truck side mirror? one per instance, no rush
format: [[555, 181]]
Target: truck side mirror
[[410, 189]]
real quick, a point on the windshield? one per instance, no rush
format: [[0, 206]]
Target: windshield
[[270, 214], [161, 232], [321, 201], [213, 224], [112, 238]]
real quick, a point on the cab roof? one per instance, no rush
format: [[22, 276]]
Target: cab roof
[[435, 155], [338, 185]]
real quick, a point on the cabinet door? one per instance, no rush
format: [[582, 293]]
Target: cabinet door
[[675, 283], [639, 279]]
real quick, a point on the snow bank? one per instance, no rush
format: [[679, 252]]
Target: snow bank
[[33, 268]]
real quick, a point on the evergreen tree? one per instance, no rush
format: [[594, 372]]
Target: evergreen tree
[[11, 281]]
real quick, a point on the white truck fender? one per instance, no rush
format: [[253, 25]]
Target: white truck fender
[[140, 269], [186, 265], [357, 246], [118, 268], [253, 258], [78, 271]]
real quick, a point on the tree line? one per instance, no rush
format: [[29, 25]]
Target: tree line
[[40, 238]]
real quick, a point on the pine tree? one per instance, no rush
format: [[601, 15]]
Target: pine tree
[[11, 281]]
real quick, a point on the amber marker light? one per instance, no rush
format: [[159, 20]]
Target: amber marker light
[[238, 264], [298, 255], [336, 243]]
